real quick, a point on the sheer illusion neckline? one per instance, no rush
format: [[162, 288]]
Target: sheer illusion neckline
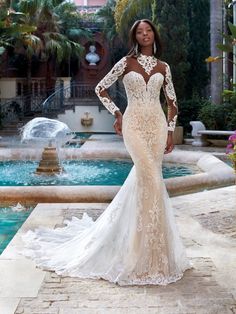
[[139, 74]]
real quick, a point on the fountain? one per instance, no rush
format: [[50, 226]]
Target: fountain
[[52, 132], [49, 163]]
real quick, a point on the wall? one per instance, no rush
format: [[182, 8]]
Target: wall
[[7, 87], [92, 74], [102, 121]]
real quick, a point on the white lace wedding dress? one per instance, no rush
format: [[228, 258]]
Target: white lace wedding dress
[[135, 240]]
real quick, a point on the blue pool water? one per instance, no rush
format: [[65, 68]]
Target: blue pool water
[[77, 172], [10, 222], [78, 139], [85, 135]]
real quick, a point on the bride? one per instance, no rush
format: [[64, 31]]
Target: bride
[[135, 240]]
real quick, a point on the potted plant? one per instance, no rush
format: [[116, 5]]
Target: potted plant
[[178, 135]]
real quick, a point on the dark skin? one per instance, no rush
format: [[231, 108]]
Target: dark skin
[[145, 38]]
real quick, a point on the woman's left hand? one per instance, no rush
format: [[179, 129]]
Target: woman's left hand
[[169, 143]]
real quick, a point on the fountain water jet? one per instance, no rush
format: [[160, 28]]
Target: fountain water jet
[[49, 131]]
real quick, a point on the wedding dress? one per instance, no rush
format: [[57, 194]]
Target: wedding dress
[[135, 240]]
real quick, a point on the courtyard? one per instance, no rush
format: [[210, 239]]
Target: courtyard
[[54, 56], [206, 221]]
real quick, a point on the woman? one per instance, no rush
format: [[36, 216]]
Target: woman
[[135, 240]]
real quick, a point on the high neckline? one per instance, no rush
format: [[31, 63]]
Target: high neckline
[[148, 63], [144, 55]]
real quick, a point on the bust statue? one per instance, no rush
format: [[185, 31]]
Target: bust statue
[[92, 57]]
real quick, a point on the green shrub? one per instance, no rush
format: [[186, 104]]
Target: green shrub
[[232, 122], [207, 115], [189, 111], [217, 117], [1, 119]]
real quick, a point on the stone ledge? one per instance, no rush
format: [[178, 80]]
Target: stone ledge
[[215, 173]]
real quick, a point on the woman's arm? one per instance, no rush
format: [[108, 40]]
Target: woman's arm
[[172, 113], [171, 100], [107, 81]]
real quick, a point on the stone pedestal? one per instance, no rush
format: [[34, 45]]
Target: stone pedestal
[[49, 164], [178, 135]]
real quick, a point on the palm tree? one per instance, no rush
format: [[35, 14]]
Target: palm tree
[[48, 39], [50, 42], [8, 28], [126, 12], [216, 26], [105, 16]]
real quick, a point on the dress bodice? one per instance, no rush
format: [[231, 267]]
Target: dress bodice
[[142, 93], [141, 89]]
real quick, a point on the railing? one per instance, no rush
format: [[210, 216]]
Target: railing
[[37, 87], [118, 97], [76, 95], [82, 91], [65, 97], [23, 103], [15, 108]]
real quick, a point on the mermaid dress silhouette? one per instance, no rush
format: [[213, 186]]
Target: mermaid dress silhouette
[[135, 240]]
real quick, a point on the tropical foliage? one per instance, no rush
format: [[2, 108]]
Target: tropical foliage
[[198, 47], [184, 28], [126, 12], [174, 29], [170, 18], [225, 113], [44, 30], [106, 19]]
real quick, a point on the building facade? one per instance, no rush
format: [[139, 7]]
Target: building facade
[[73, 89]]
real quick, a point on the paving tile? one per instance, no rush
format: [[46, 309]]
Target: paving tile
[[208, 288]]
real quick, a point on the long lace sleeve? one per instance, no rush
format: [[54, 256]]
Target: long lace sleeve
[[171, 100], [107, 81]]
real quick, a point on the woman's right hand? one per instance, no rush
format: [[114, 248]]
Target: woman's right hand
[[118, 122]]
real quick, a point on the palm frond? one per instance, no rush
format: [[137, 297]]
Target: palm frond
[[29, 7], [2, 50], [135, 9], [32, 42]]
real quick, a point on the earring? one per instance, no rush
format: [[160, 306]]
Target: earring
[[136, 48], [154, 48]]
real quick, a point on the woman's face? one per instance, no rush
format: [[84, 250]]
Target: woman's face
[[144, 34]]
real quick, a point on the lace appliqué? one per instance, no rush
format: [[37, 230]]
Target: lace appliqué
[[135, 240], [171, 99], [148, 63], [172, 124], [107, 81]]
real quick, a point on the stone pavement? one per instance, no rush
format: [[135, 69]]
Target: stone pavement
[[207, 223]]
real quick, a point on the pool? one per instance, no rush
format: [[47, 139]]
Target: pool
[[78, 139], [85, 135], [79, 172], [10, 222]]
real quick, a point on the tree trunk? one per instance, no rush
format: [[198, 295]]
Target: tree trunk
[[27, 107], [50, 82], [216, 7]]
